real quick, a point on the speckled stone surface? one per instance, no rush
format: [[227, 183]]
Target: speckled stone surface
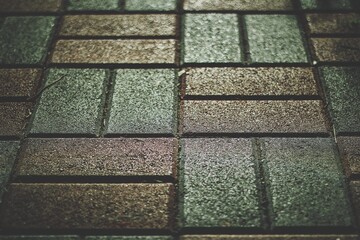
[[253, 116], [211, 38], [119, 25], [19, 82], [336, 49], [269, 237], [239, 5], [275, 39], [73, 104], [115, 51], [342, 90], [41, 237], [250, 81], [219, 183], [13, 118], [8, 152], [83, 5], [346, 23], [355, 194], [129, 238], [306, 184], [24, 40], [150, 5], [349, 148], [325, 5], [30, 6], [144, 102], [98, 157], [88, 206]]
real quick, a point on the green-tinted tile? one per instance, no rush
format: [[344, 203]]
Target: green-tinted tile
[[150, 5], [325, 4], [8, 150], [80, 5]]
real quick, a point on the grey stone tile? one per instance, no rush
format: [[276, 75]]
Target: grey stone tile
[[84, 5], [150, 5]]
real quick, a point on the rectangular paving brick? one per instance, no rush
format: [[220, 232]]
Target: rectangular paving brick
[[13, 118], [211, 38], [355, 194], [8, 152], [342, 90], [325, 5], [275, 39], [305, 183], [99, 5], [19, 82], [129, 238], [250, 81], [219, 184], [119, 25], [41, 237], [73, 102], [349, 148], [98, 157], [239, 116], [150, 5], [269, 237], [88, 206], [336, 49], [340, 23], [115, 51], [144, 102], [29, 6]]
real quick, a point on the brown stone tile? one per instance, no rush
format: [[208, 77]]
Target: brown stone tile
[[337, 49], [334, 23], [19, 82], [355, 193], [250, 81], [30, 6], [349, 148], [88, 206], [13, 117], [269, 237], [119, 25], [115, 51], [253, 116]]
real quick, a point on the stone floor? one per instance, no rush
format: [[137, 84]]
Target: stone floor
[[180, 119]]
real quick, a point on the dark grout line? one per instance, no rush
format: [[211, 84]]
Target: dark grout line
[[244, 43]]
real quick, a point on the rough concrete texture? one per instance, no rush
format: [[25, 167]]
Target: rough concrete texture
[[30, 6], [349, 148], [219, 184], [83, 5], [342, 91], [129, 238], [269, 237], [325, 5], [8, 152], [150, 5], [119, 25], [24, 40], [306, 184], [340, 23], [73, 102], [13, 116], [274, 39], [98, 157], [144, 101], [115, 51], [19, 82], [250, 81], [253, 117], [88, 206], [211, 38], [238, 5], [41, 237], [336, 49], [355, 194]]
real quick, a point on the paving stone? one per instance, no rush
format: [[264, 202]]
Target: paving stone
[[30, 6], [219, 183], [253, 116], [88, 206], [274, 39], [84, 5], [8, 152], [349, 148], [325, 5], [98, 157], [115, 51], [269, 237], [19, 82], [73, 103], [342, 92], [305, 183], [35, 237], [348, 23], [337, 49], [355, 193], [24, 40], [150, 5], [237, 5], [119, 25], [250, 81], [144, 102], [129, 238], [211, 38], [13, 116]]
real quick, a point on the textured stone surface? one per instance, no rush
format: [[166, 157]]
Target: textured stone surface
[[325, 5], [355, 194], [80, 5], [305, 183], [73, 103], [115, 51], [253, 116], [144, 101], [129, 238], [24, 40], [275, 38], [342, 91], [250, 81], [211, 38], [30, 6], [348, 23], [19, 82], [269, 237], [36, 237], [8, 151], [349, 148], [150, 5], [13, 116], [337, 49], [119, 25], [98, 157], [219, 183], [239, 5], [88, 206]]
